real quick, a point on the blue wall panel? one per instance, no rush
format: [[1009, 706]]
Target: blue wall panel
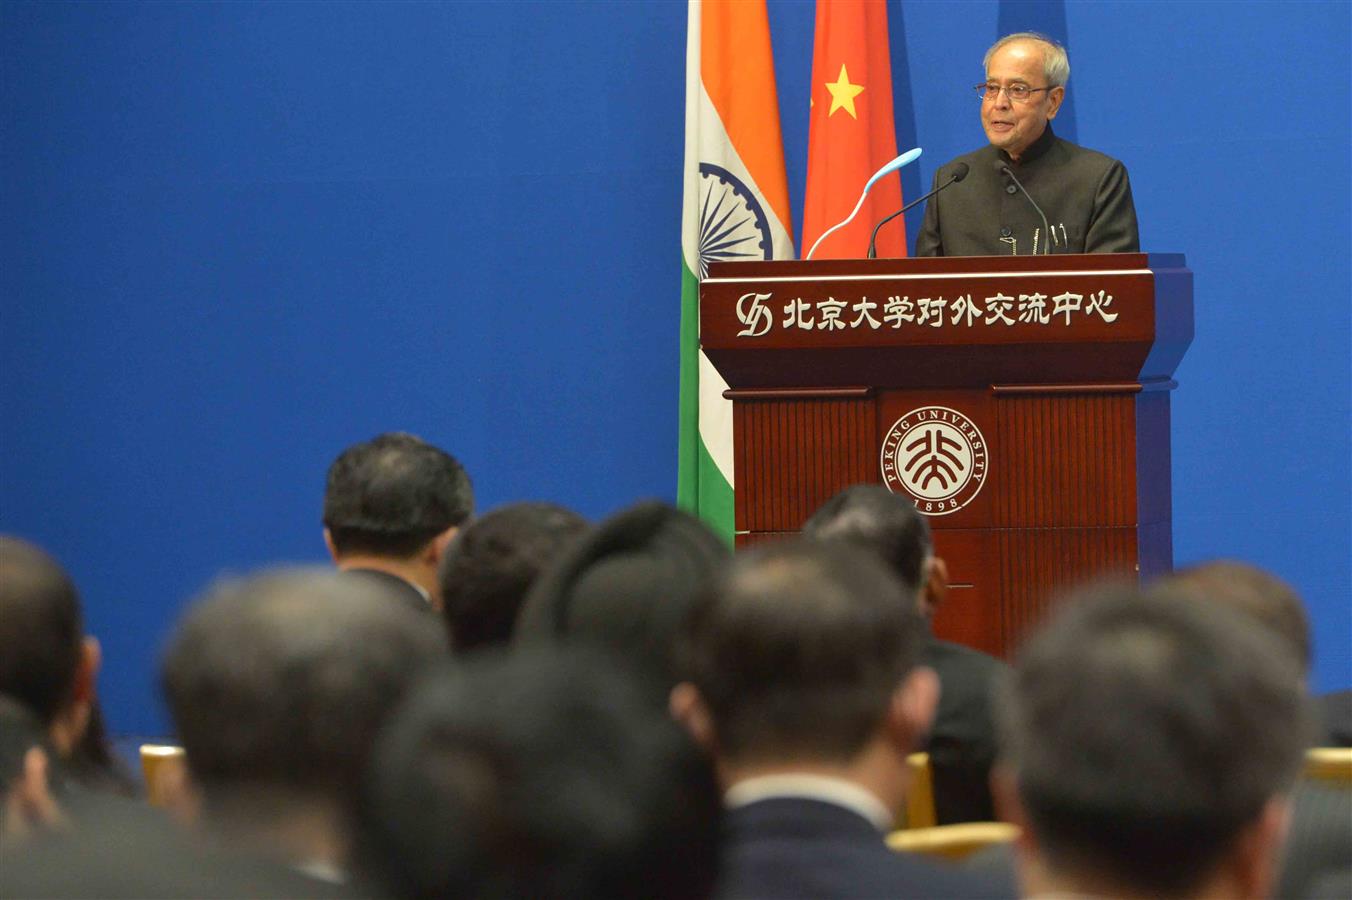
[[236, 237]]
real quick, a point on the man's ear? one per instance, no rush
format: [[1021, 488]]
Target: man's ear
[[68, 728], [1256, 854], [912, 709], [87, 674], [436, 548], [688, 708], [1055, 96], [935, 590], [328, 542]]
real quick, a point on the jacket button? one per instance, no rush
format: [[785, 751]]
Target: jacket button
[[1011, 189], [1005, 232]]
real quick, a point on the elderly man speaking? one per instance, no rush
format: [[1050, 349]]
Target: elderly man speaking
[[1029, 191]]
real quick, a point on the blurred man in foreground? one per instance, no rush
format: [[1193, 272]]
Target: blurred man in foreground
[[540, 773], [1150, 745], [803, 684], [277, 685]]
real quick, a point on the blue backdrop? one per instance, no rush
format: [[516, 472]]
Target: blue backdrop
[[236, 237]]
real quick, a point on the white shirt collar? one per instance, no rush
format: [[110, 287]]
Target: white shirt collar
[[836, 791], [321, 870]]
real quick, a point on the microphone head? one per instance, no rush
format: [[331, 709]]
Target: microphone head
[[1001, 167], [905, 159], [959, 171]]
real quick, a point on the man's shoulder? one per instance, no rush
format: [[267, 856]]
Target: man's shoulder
[[937, 653], [393, 585], [1060, 154], [1064, 152], [787, 848]]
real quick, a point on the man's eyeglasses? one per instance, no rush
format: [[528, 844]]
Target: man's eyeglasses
[[1016, 92]]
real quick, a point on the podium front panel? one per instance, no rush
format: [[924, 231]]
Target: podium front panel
[[1038, 449]]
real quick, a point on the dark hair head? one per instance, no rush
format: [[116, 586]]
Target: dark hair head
[[888, 524], [493, 562], [283, 679], [1146, 732], [799, 649], [392, 494], [539, 774], [628, 587], [1258, 594], [41, 629]]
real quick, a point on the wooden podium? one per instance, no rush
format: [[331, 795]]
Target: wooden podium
[[1022, 402]]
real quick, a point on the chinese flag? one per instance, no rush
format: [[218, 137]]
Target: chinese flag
[[851, 133]]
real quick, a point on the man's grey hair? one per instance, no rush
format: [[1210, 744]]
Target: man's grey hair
[[1055, 62]]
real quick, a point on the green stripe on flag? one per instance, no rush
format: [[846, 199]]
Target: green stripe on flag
[[700, 486], [715, 496], [687, 459]]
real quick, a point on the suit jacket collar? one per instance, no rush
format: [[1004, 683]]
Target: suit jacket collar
[[801, 817], [834, 791], [406, 590]]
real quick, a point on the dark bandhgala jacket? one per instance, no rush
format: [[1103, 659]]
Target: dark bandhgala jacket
[[962, 744], [787, 848], [1085, 195]]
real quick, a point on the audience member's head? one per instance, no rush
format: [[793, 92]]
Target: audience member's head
[[392, 504], [1149, 743], [889, 525], [543, 773], [1251, 591], [804, 654], [629, 587], [493, 562], [277, 685], [46, 661]]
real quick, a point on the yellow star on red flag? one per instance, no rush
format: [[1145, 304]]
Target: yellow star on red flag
[[843, 93]]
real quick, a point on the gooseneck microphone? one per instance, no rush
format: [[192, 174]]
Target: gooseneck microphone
[[958, 173], [1002, 167], [906, 158]]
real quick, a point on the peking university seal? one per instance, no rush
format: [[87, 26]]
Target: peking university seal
[[937, 457]]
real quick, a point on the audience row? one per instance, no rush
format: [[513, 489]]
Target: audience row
[[524, 704]]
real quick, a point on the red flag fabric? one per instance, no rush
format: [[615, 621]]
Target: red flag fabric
[[851, 132]]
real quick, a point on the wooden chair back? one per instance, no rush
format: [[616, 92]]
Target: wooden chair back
[[920, 800], [1330, 765], [952, 842]]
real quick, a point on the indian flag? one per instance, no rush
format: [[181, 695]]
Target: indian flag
[[736, 207]]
